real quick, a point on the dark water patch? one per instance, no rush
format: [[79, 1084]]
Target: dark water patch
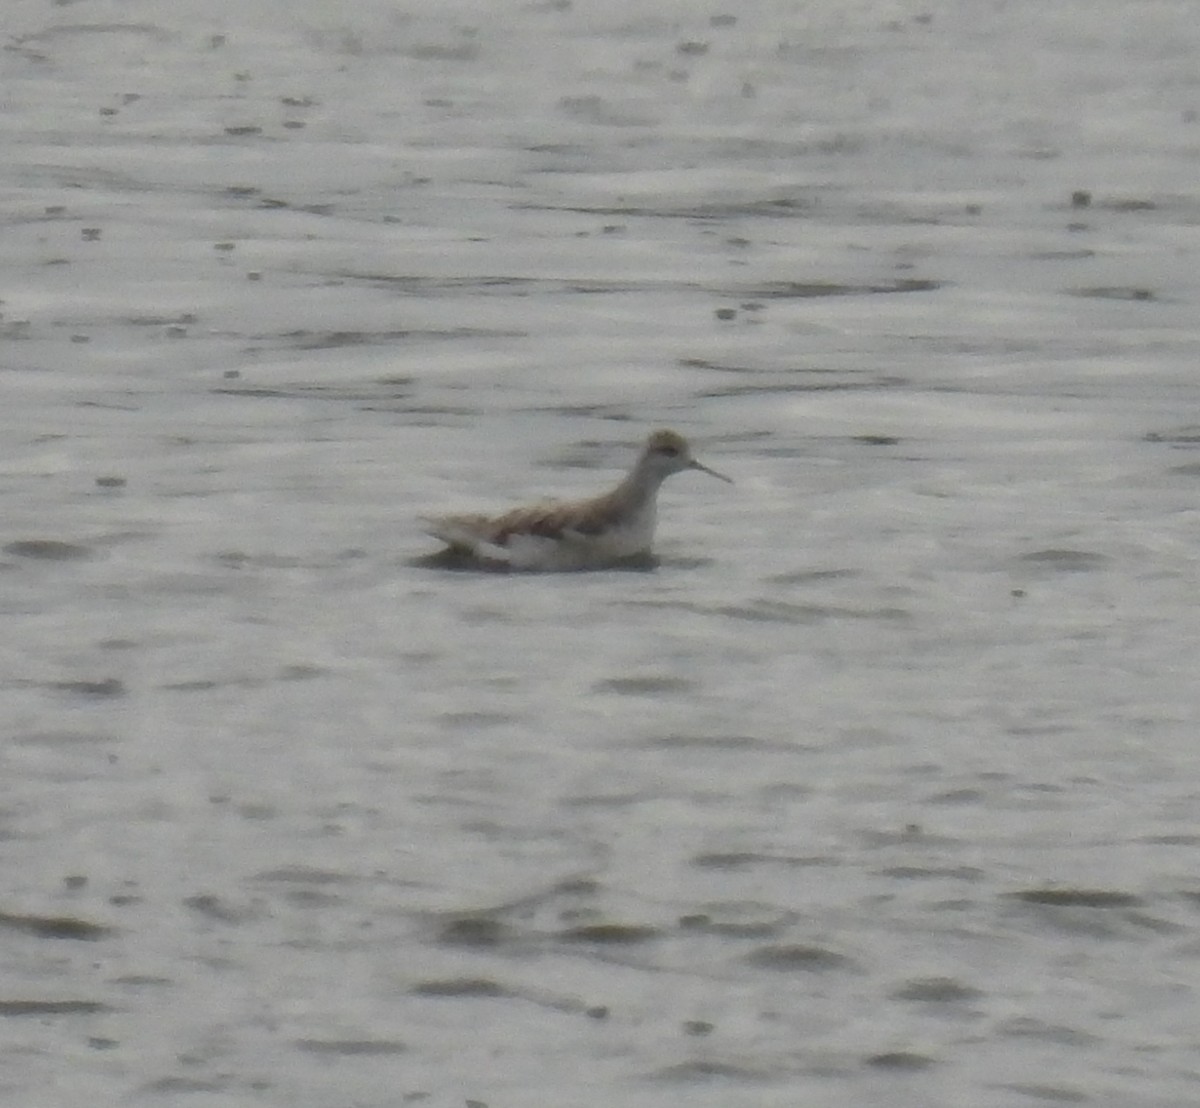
[[936, 990], [477, 932], [175, 1084], [777, 611], [613, 413], [812, 379], [739, 743], [49, 550], [143, 980], [954, 797], [709, 1069], [1061, 255], [383, 393], [648, 685], [577, 886], [788, 207], [566, 149], [475, 721], [282, 392], [239, 559], [698, 1028], [466, 51], [744, 859], [1066, 561], [1113, 292], [212, 907], [313, 899], [106, 688], [876, 440], [598, 110], [52, 1007], [739, 919], [610, 934], [305, 875], [457, 561], [771, 385], [334, 340], [1129, 204], [351, 1048], [274, 203], [1077, 898], [510, 285], [300, 671], [729, 859], [900, 1061], [813, 576], [677, 561], [1094, 914], [772, 611], [612, 801], [588, 454], [423, 287], [1044, 729], [108, 405], [786, 792], [932, 873], [202, 685], [887, 615], [1189, 469], [1187, 435], [805, 290], [184, 319], [906, 833], [1056, 1094], [55, 927], [1026, 1027], [799, 957], [1039, 152], [725, 367], [1154, 924], [251, 811], [76, 30], [461, 988], [893, 214], [1191, 896], [60, 738]]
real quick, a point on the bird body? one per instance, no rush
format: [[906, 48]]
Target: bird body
[[602, 531]]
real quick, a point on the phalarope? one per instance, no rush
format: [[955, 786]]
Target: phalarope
[[605, 530]]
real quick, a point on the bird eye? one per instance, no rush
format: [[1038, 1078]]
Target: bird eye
[[669, 451]]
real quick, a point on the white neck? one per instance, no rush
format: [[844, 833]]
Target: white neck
[[641, 485]]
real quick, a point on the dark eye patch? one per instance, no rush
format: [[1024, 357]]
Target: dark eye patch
[[667, 451]]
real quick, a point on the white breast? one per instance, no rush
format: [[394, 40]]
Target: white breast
[[576, 550]]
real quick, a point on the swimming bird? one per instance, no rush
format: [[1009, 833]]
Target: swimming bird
[[603, 531]]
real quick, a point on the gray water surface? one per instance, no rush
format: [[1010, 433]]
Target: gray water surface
[[879, 790]]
